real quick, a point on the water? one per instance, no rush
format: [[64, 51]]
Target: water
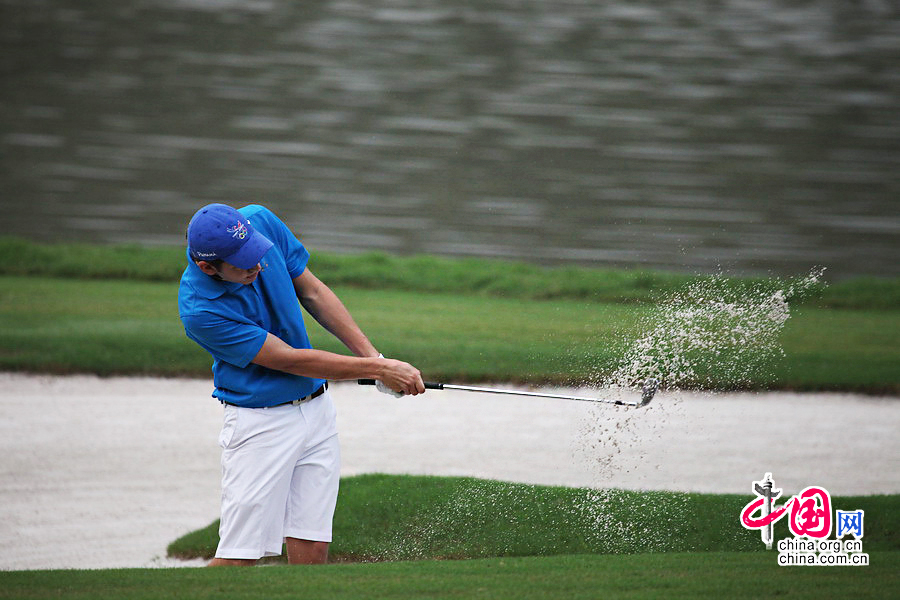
[[749, 135]]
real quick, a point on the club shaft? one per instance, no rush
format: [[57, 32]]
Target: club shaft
[[467, 388]]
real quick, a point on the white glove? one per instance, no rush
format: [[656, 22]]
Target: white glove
[[383, 388]]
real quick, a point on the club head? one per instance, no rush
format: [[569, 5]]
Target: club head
[[648, 391]]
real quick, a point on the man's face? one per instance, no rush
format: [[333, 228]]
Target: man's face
[[229, 272]]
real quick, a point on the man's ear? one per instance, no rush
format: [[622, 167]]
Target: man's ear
[[206, 267]]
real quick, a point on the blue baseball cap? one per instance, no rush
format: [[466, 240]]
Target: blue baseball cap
[[219, 232]]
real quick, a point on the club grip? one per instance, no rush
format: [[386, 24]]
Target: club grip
[[429, 385]]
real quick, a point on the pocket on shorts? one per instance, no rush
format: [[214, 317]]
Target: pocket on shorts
[[328, 423], [229, 426]]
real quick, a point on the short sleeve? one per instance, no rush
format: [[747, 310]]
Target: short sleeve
[[230, 341], [295, 254]]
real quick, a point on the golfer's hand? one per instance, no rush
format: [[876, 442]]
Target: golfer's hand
[[399, 378]]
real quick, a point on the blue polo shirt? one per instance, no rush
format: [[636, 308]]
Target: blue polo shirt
[[231, 320]]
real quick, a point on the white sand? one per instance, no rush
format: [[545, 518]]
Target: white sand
[[101, 473]]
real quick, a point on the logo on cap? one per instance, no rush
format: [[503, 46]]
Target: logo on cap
[[239, 231]]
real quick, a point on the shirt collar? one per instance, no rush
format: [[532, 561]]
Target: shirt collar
[[205, 285]]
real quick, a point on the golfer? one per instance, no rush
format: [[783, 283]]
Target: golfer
[[238, 299]]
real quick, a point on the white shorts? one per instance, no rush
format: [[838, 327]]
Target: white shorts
[[280, 476]]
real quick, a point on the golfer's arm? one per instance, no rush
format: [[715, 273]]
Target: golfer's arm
[[279, 355], [326, 308]]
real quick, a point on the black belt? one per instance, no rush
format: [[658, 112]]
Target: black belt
[[296, 402]]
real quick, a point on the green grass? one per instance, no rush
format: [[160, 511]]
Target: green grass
[[393, 517], [90, 261], [473, 276], [131, 327], [685, 575], [104, 327], [112, 310], [591, 544], [832, 349]]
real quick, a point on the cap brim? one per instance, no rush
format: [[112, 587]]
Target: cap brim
[[251, 252]]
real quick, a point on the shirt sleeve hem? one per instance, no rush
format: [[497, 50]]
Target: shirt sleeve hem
[[299, 272], [247, 358]]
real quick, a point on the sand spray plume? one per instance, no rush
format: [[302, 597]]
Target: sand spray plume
[[504, 511], [715, 334]]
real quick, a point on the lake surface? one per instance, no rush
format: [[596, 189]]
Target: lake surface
[[755, 136]]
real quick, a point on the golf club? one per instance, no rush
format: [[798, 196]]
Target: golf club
[[647, 392]]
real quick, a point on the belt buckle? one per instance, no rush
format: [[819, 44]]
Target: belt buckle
[[315, 394]]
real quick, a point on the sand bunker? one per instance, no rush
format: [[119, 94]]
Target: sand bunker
[[102, 473]]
